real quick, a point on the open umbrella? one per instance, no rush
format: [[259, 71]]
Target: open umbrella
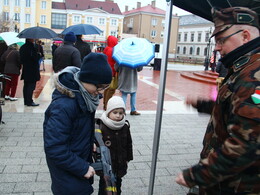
[[133, 52], [10, 38], [82, 29], [201, 8], [37, 32]]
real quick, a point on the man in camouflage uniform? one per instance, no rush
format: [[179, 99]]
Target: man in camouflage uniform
[[230, 159]]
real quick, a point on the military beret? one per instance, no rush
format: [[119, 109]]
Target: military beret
[[225, 18]]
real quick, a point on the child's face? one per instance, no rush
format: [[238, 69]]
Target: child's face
[[116, 114]]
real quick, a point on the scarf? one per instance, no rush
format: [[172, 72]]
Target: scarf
[[90, 100], [113, 125]]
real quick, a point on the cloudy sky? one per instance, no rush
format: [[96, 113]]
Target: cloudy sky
[[158, 3]]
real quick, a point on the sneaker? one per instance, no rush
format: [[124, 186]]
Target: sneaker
[[13, 99], [134, 113], [7, 97]]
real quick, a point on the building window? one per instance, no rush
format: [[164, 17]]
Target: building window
[[131, 21], [113, 22], [162, 33], [153, 33], [58, 21], [6, 16], [101, 21], [28, 3], [191, 50], [17, 17], [163, 23], [44, 4], [27, 18], [17, 3], [178, 50], [198, 51], [113, 33], [43, 19], [199, 37], [76, 19], [207, 37], [179, 37], [184, 50], [89, 20], [205, 51], [192, 37], [6, 2], [185, 37], [154, 21]]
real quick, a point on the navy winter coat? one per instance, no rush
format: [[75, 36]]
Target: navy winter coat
[[68, 139]]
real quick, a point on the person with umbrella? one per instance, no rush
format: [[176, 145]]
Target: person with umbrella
[[30, 70], [229, 161], [66, 54], [82, 46]]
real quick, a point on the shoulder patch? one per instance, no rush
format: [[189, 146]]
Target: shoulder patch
[[256, 96], [241, 62]]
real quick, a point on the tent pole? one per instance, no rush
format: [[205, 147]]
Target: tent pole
[[158, 121]]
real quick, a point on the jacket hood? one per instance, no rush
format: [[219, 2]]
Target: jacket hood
[[111, 41], [65, 83]]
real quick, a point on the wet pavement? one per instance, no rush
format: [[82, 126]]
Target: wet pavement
[[23, 169]]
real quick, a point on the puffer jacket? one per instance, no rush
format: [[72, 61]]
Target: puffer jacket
[[11, 57], [66, 55], [68, 137]]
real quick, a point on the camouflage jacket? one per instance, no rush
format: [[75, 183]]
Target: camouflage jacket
[[230, 159]]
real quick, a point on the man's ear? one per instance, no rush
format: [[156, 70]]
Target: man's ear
[[246, 36]]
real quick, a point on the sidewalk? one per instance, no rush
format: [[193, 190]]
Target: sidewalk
[[23, 169]]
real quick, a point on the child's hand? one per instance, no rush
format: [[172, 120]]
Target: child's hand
[[94, 147], [91, 172]]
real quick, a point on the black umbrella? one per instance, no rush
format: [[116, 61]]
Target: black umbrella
[[202, 8], [82, 29], [37, 32]]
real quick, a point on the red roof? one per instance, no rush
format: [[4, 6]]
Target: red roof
[[148, 8], [107, 6]]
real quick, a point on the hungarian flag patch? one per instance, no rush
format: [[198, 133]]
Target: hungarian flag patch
[[256, 96]]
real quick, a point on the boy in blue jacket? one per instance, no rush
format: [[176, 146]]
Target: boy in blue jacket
[[69, 125]]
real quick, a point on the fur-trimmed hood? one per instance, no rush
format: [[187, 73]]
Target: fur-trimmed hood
[[65, 83]]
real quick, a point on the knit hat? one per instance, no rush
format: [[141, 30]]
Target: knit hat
[[95, 69], [114, 103], [70, 37], [227, 17]]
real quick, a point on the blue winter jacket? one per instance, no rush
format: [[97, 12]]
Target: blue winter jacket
[[68, 138]]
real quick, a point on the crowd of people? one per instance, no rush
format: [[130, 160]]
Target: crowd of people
[[229, 161]]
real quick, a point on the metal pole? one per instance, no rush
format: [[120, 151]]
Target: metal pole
[[158, 121]]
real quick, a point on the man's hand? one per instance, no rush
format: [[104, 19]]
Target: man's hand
[[180, 180], [91, 172], [191, 101]]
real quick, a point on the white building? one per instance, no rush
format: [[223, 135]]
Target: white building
[[193, 41]]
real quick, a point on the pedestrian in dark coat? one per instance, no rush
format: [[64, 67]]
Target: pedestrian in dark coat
[[3, 48], [66, 54], [82, 46], [69, 125], [11, 57], [30, 70], [229, 161], [117, 137]]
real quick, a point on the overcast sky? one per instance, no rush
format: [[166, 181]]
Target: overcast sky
[[158, 3]]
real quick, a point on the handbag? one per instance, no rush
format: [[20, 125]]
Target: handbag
[[114, 82]]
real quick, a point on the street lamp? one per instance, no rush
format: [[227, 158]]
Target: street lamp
[[206, 62]]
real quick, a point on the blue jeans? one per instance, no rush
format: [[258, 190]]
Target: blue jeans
[[132, 99]]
